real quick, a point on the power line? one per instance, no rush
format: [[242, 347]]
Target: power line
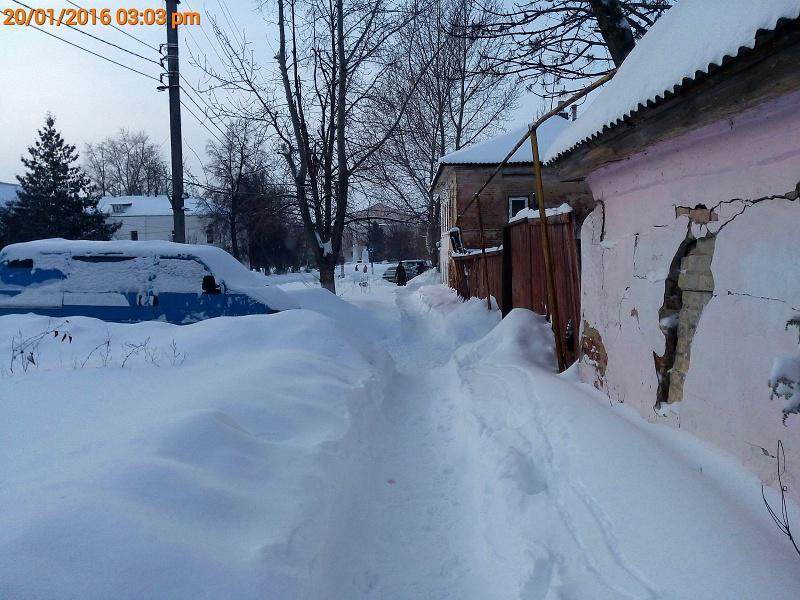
[[99, 39], [229, 19], [122, 31], [119, 64], [203, 30], [202, 122], [200, 108]]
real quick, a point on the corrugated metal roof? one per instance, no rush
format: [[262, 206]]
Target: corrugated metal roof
[[494, 150], [686, 42]]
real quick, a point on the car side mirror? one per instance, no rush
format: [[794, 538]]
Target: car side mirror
[[210, 285]]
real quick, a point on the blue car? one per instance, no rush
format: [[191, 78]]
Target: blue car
[[128, 282]]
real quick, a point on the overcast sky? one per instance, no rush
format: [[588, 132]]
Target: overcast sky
[[91, 98]]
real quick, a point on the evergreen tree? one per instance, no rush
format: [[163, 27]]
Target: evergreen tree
[[56, 199]]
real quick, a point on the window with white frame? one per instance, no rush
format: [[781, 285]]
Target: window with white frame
[[516, 204]]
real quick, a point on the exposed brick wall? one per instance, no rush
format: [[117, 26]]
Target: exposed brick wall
[[697, 287]]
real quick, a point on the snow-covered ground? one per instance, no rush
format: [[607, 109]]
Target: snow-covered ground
[[393, 443]]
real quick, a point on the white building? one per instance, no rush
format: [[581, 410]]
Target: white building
[[8, 192], [150, 218]]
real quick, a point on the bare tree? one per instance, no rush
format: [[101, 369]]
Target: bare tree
[[324, 109], [231, 170], [554, 44], [127, 164], [455, 103]]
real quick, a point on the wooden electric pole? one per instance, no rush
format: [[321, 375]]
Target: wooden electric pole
[[178, 216]]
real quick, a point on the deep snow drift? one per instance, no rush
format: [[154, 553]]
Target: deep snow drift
[[394, 444], [201, 469]]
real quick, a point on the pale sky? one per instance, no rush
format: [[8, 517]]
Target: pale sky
[[92, 99]]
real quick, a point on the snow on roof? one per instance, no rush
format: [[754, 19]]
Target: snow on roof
[[533, 213], [8, 192], [494, 150], [148, 206], [223, 266], [687, 40]]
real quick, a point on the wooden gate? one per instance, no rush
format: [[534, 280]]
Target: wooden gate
[[517, 274], [525, 280]]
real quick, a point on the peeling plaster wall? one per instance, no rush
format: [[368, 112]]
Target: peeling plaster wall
[[746, 171]]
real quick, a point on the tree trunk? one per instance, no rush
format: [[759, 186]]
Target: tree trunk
[[234, 239], [327, 273], [614, 27]]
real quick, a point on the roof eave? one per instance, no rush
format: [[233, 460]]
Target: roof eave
[[721, 92]]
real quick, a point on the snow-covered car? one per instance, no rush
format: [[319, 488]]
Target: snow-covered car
[[390, 274], [127, 281]]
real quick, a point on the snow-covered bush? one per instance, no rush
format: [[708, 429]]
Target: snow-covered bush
[[784, 381]]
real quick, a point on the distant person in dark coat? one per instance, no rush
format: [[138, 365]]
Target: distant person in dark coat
[[400, 274]]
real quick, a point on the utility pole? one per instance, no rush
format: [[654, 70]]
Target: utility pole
[[178, 216]]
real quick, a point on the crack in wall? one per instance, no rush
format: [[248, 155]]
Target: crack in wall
[[729, 293], [698, 290], [696, 216]]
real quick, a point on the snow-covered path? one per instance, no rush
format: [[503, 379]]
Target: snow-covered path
[[405, 530]]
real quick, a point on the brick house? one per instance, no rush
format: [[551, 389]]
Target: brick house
[[461, 173], [690, 259]]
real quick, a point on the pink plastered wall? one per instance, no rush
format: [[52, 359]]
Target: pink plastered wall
[[734, 166]]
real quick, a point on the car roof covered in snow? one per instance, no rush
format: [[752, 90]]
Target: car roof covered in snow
[[688, 41], [224, 267], [149, 206]]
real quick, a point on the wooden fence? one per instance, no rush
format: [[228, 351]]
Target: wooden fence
[[470, 280], [517, 274]]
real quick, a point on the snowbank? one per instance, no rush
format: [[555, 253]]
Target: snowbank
[[585, 500], [349, 316], [288, 456], [203, 468], [458, 321], [523, 337]]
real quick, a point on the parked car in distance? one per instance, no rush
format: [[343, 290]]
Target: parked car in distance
[[412, 267], [415, 267], [390, 274], [127, 282]]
